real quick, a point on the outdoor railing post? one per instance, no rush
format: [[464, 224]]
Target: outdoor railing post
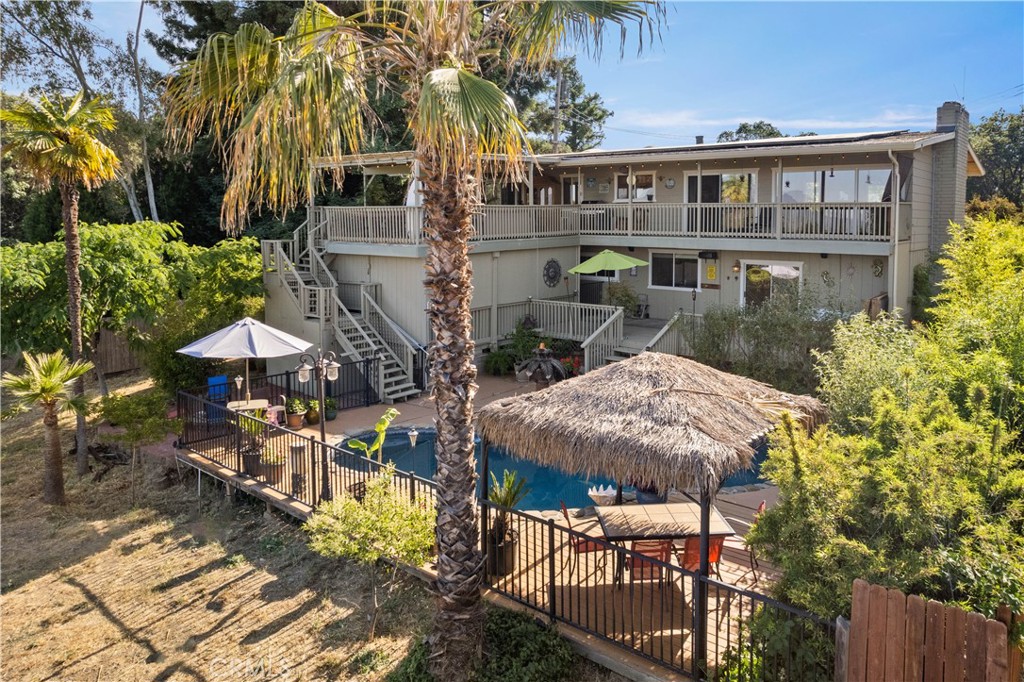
[[314, 490], [551, 569]]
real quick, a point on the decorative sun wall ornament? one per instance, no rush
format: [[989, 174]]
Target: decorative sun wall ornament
[[552, 273]]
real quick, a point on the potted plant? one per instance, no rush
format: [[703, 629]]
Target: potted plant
[[313, 412], [502, 540], [255, 431], [272, 465], [295, 410], [330, 409]]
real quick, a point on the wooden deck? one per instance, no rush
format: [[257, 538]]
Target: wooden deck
[[653, 618]]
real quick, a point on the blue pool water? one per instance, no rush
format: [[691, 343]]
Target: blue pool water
[[548, 486]]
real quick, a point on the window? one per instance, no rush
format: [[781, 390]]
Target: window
[[674, 271], [643, 187], [763, 280], [726, 188], [862, 185]]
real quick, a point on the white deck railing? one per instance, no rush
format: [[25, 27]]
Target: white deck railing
[[826, 221]]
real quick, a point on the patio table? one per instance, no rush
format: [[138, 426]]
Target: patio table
[[247, 405], [671, 521]]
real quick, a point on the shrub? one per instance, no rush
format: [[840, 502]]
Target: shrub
[[865, 356], [499, 362], [771, 342], [384, 525]]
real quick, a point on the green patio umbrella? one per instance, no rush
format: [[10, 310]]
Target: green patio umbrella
[[606, 260]]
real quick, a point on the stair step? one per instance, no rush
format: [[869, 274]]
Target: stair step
[[614, 358], [406, 391]]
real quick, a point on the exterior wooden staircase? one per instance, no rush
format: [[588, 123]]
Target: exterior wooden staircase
[[314, 290]]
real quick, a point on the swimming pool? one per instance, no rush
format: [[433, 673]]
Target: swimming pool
[[548, 486]]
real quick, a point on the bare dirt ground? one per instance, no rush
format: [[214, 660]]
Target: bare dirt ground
[[180, 587]]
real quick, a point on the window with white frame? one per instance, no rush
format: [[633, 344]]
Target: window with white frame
[[643, 187], [670, 270]]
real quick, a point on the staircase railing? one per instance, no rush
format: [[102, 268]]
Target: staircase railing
[[667, 338], [602, 342], [576, 321], [397, 339], [324, 276]]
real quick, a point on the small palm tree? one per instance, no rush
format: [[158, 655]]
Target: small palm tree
[[47, 382], [58, 140]]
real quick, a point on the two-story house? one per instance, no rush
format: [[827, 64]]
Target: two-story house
[[848, 216]]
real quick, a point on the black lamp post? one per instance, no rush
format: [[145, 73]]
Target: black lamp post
[[326, 369]]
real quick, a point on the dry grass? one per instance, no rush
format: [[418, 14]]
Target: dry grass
[[179, 587]]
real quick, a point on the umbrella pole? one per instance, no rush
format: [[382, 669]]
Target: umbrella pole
[[248, 396]]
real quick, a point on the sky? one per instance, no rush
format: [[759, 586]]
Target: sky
[[804, 66]]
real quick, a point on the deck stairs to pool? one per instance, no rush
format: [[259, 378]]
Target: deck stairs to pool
[[312, 287], [637, 335]]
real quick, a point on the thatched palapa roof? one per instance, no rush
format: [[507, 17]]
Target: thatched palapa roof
[[654, 417]]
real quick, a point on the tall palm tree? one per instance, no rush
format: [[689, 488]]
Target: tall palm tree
[[276, 104], [47, 382], [58, 140]]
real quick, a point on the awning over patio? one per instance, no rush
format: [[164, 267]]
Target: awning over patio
[[654, 418]]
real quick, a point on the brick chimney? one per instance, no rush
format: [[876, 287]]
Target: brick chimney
[[949, 172]]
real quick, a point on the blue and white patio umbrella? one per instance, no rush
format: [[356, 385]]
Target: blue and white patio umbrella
[[247, 338]]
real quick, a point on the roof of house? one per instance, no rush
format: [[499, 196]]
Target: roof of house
[[656, 418], [892, 140], [853, 143]]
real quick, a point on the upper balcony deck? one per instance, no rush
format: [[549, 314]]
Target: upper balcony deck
[[829, 222]]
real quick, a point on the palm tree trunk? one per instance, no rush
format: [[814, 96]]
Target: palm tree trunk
[[53, 470], [72, 261], [457, 637]]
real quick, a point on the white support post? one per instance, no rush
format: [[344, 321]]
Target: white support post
[[778, 202], [700, 198], [630, 183]]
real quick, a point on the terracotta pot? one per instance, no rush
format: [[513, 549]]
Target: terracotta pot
[[295, 420]]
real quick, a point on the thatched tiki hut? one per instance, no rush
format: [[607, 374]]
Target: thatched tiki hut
[[658, 418]]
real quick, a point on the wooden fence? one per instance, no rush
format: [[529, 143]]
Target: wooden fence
[[893, 637], [113, 354]]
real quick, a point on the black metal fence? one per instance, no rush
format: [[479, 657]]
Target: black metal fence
[[354, 387], [640, 603]]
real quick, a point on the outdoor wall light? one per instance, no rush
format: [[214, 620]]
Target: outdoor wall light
[[736, 266]]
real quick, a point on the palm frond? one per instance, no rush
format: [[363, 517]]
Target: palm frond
[[272, 104], [47, 379], [536, 31], [57, 139], [469, 118]]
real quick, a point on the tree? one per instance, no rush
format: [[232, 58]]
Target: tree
[[53, 47], [555, 103], [141, 419], [999, 143], [58, 140], [46, 382], [303, 96], [128, 278], [759, 130]]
